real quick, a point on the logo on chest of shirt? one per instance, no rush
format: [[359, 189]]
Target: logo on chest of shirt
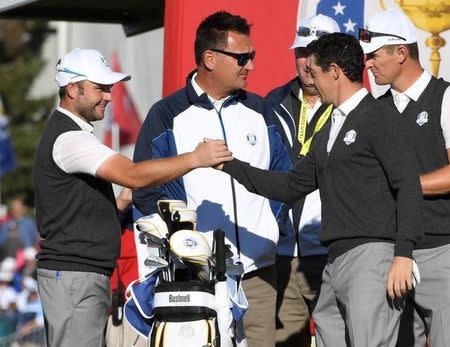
[[350, 137], [422, 118], [251, 139]]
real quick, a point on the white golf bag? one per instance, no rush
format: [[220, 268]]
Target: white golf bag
[[189, 299]]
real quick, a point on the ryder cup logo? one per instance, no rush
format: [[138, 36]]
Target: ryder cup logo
[[251, 139], [350, 137], [104, 62], [422, 118], [190, 242]]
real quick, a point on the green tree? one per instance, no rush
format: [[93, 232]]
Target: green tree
[[20, 63]]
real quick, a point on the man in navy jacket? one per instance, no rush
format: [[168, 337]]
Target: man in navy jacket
[[214, 105]]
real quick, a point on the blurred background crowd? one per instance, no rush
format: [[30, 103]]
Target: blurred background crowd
[[21, 318]]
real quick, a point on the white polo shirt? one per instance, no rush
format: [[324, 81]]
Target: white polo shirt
[[80, 151], [340, 113], [401, 100]]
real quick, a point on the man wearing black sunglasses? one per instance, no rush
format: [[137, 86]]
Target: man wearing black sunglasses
[[424, 104], [300, 257], [214, 105]]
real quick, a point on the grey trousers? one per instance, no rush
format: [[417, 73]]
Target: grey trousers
[[76, 307], [353, 308], [431, 300], [298, 286]]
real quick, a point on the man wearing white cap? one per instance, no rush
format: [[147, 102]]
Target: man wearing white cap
[[75, 207], [390, 44], [301, 258]]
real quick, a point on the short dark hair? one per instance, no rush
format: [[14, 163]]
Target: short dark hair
[[62, 91], [212, 33], [413, 50], [342, 49]]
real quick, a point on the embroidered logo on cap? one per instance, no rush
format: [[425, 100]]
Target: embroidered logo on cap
[[251, 139], [422, 118], [104, 62], [350, 137]]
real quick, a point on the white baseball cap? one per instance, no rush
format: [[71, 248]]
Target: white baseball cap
[[312, 28], [6, 276], [86, 64], [8, 265], [394, 24]]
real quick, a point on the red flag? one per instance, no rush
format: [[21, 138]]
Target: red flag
[[124, 115]]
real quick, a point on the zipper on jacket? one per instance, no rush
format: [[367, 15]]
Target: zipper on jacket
[[233, 188]]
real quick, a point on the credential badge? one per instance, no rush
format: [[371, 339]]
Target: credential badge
[[422, 118], [251, 139], [350, 137]]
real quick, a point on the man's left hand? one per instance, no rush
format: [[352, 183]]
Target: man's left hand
[[399, 280]]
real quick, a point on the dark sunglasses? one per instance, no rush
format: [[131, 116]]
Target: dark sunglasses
[[242, 58], [305, 32], [365, 35]]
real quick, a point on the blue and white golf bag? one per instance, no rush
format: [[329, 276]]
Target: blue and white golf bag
[[193, 297]]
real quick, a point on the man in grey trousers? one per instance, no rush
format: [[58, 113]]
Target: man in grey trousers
[[75, 205], [371, 201], [300, 256], [423, 101]]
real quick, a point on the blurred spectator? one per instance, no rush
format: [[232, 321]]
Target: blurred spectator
[[8, 270], [29, 306], [19, 232], [8, 296], [3, 213], [29, 264]]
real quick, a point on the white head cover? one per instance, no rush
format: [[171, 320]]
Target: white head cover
[[86, 64], [317, 25], [390, 22], [152, 224]]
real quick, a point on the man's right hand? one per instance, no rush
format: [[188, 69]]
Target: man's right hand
[[211, 153]]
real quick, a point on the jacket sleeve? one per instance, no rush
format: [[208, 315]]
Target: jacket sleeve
[[152, 143], [286, 187], [393, 148], [280, 160]]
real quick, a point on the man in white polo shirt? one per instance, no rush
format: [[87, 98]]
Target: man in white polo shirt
[[392, 54], [75, 207]]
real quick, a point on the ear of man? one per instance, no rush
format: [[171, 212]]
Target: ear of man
[[209, 60], [72, 90], [335, 70], [402, 53]]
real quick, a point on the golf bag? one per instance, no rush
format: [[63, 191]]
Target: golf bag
[[192, 297]]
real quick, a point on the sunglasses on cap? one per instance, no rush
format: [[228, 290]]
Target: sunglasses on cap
[[365, 35], [60, 68], [305, 32], [242, 58]]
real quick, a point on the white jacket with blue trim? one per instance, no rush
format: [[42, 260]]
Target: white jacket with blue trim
[[176, 125]]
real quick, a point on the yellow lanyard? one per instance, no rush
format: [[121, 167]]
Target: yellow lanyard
[[302, 125]]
